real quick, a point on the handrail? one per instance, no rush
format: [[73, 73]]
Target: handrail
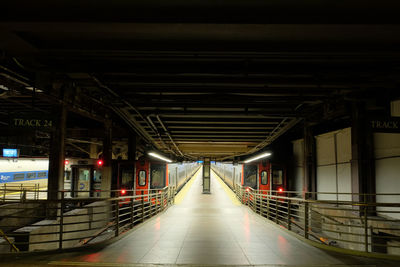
[[370, 228], [12, 246]]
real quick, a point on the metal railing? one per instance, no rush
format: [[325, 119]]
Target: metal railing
[[19, 191], [347, 225], [35, 225]]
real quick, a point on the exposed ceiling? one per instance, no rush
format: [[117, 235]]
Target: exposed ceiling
[[208, 78]]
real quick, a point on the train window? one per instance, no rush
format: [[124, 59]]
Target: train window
[[157, 175], [42, 174], [250, 176], [142, 178], [31, 175], [97, 176], [277, 176], [84, 174], [127, 178], [19, 176], [264, 178]]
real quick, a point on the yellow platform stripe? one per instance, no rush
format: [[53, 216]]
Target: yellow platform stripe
[[227, 190], [185, 189]]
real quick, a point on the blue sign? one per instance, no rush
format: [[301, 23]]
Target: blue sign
[[10, 153], [199, 161]]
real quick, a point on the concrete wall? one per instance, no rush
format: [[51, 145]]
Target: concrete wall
[[334, 164], [387, 170]]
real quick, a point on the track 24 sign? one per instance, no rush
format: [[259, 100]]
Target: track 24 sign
[[31, 122]]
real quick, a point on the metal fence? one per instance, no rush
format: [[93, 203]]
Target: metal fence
[[350, 225], [73, 222]]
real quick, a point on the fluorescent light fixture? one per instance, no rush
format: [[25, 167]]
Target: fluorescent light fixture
[[30, 88], [263, 155], [155, 155]]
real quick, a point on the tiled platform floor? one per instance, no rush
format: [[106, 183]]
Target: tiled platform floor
[[207, 230]]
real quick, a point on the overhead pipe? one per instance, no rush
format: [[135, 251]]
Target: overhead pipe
[[170, 137]]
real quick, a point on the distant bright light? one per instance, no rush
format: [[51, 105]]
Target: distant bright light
[[280, 189], [66, 162], [10, 153], [263, 155], [100, 163], [155, 155], [123, 192], [247, 189]]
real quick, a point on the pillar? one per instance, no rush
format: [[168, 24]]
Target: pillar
[[107, 160], [310, 177], [362, 150], [132, 147], [55, 182], [93, 150]]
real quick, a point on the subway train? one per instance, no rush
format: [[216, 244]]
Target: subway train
[[263, 175], [23, 170], [82, 177]]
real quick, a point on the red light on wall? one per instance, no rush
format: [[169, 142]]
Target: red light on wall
[[66, 162], [123, 192], [280, 189], [100, 163]]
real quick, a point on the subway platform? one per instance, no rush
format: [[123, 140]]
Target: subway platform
[[202, 229]]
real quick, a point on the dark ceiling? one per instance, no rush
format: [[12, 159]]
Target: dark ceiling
[[203, 78]]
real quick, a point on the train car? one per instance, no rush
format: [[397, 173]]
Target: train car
[[263, 175], [26, 171], [148, 175]]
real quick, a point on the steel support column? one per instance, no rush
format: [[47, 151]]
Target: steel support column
[[132, 147], [362, 149], [310, 178], [55, 181], [107, 158]]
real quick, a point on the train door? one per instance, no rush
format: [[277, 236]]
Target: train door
[[81, 176], [126, 178], [278, 177], [263, 177]]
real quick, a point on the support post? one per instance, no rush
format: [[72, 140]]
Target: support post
[[362, 163], [107, 158], [132, 147], [55, 182], [310, 180]]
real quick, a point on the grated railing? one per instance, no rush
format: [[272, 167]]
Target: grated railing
[[73, 222], [351, 225]]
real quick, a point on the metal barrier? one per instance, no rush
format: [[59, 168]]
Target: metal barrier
[[372, 228], [73, 222], [19, 191]]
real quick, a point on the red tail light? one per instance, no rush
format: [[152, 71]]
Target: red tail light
[[123, 192], [100, 163]]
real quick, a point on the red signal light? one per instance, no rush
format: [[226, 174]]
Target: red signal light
[[100, 163], [66, 162], [280, 189], [247, 189], [123, 192]]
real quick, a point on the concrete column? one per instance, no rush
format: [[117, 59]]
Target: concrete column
[[55, 181], [107, 158], [362, 149], [132, 147], [310, 177], [93, 150]]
